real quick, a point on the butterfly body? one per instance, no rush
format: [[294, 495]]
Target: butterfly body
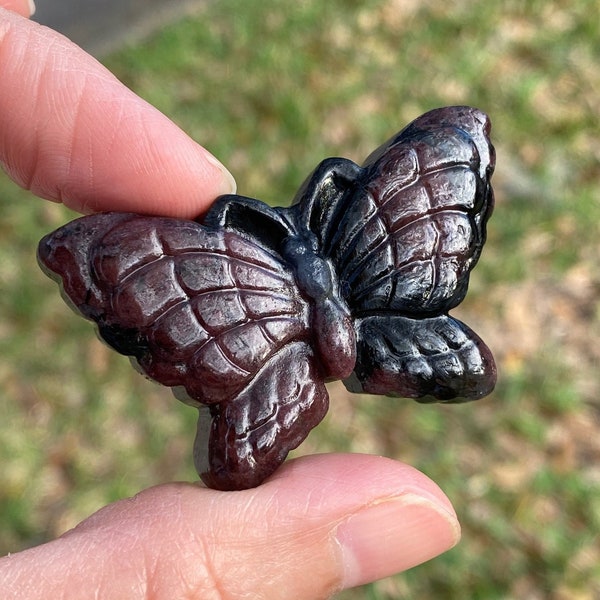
[[250, 311]]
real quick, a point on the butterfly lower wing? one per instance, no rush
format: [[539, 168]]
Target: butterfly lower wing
[[250, 435], [432, 359]]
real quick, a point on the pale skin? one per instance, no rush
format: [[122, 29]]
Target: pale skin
[[71, 133]]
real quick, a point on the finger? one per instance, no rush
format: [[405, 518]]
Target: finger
[[26, 8], [70, 131], [321, 524]]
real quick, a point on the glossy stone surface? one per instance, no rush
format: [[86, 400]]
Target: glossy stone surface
[[248, 313]]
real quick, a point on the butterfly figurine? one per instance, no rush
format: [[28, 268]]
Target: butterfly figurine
[[248, 313]]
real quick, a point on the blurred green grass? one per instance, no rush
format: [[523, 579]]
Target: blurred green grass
[[272, 90]]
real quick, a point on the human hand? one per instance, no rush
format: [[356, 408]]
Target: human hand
[[71, 132]]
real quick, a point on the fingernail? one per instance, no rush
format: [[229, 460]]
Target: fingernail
[[31, 8], [229, 186], [394, 535]]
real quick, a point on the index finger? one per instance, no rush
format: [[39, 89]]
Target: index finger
[[71, 132]]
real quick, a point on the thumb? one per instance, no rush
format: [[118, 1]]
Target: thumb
[[321, 524]]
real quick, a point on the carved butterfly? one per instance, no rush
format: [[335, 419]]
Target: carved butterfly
[[250, 312]]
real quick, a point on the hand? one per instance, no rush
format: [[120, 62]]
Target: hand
[[69, 131]]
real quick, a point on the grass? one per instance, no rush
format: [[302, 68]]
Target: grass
[[271, 91]]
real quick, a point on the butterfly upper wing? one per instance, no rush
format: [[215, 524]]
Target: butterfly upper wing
[[198, 308], [404, 232], [426, 199]]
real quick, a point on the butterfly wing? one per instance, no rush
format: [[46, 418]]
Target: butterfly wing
[[404, 232], [197, 308], [426, 200], [436, 358], [251, 435]]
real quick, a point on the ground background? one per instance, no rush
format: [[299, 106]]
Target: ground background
[[271, 90]]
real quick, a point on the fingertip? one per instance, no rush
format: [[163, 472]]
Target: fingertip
[[228, 184], [386, 516], [393, 536]]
